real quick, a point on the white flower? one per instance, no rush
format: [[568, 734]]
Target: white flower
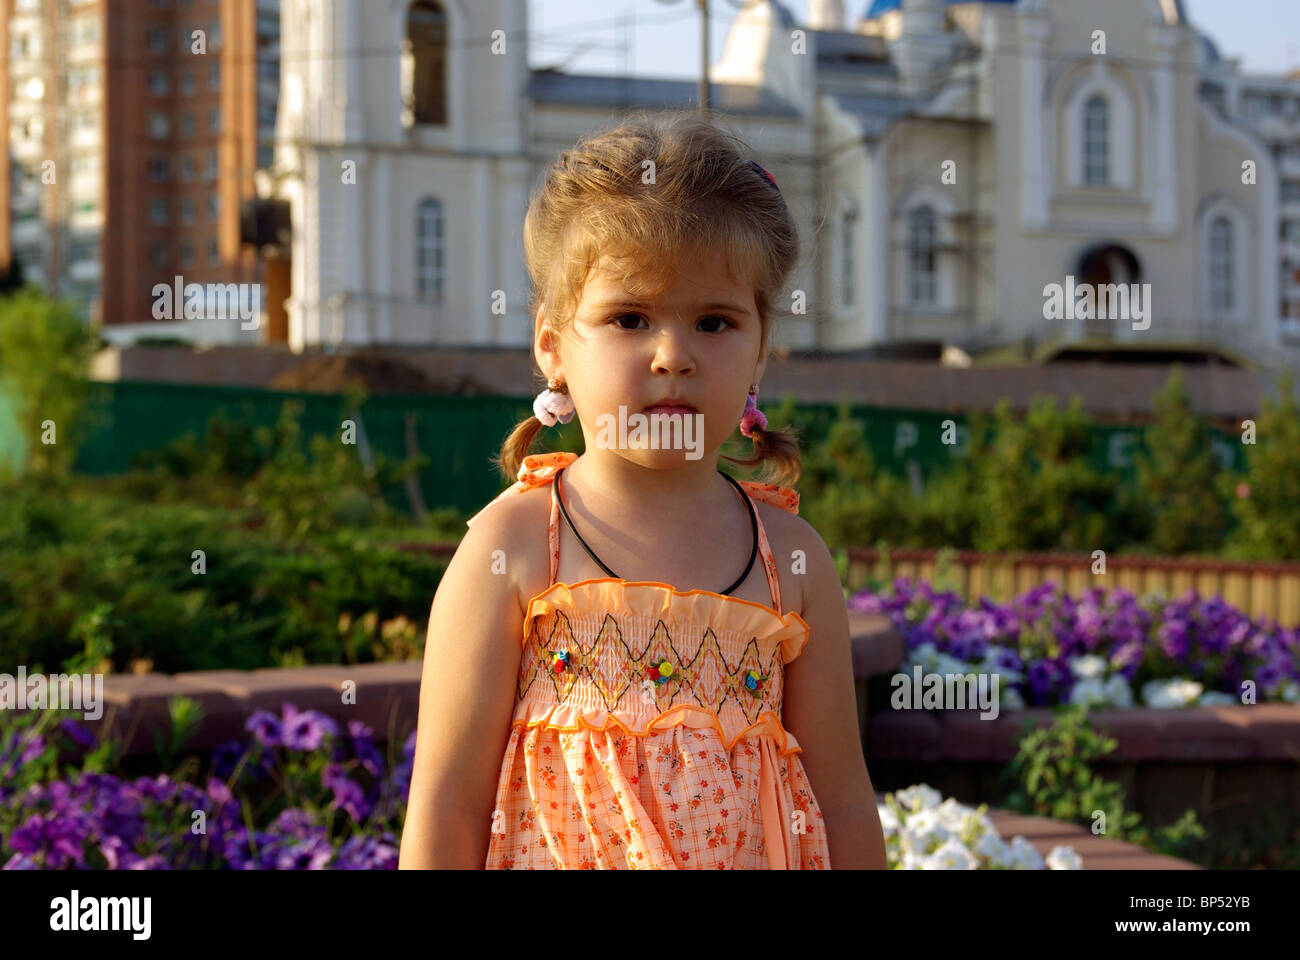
[[1011, 698], [952, 815], [1118, 692], [924, 654], [946, 664], [953, 855], [919, 796], [888, 819], [1064, 858], [1089, 692], [1217, 698], [993, 849], [1168, 694], [1024, 856], [911, 860], [1090, 666], [924, 831]]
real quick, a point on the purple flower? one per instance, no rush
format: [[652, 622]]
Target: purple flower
[[306, 729], [35, 747], [78, 733], [363, 747], [295, 822], [266, 727], [1174, 639], [348, 795], [58, 837], [368, 853], [312, 854]]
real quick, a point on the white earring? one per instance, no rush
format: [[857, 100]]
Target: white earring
[[553, 404]]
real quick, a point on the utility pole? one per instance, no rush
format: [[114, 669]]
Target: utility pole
[[703, 6]]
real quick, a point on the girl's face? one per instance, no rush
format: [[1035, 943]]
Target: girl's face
[[699, 340]]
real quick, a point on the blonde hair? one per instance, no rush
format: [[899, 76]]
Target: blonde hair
[[704, 195]]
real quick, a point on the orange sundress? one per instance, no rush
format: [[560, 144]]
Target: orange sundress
[[606, 769]]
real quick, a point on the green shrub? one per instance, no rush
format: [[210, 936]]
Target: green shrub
[[45, 349], [1176, 477], [1268, 505], [261, 601], [1051, 777]]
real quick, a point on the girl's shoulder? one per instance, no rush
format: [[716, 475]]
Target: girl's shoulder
[[787, 498], [537, 470]]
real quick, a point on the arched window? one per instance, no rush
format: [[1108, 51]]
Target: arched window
[[921, 254], [1096, 142], [848, 255], [424, 62], [430, 265], [1222, 257]]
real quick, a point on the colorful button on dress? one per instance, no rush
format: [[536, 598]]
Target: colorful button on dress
[[647, 727]]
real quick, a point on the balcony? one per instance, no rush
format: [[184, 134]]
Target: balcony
[[1248, 340], [28, 232]]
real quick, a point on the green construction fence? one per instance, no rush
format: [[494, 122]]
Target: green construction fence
[[460, 435]]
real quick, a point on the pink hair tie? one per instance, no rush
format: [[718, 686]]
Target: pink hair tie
[[753, 417]]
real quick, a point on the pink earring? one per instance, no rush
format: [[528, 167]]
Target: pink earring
[[753, 417]]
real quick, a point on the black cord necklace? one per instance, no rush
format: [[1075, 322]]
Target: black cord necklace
[[753, 522]]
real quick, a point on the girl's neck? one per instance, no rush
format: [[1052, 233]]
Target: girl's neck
[[609, 484]]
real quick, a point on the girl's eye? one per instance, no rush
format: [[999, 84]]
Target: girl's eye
[[726, 321]]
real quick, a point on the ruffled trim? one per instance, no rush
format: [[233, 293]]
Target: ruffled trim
[[662, 601], [570, 719], [539, 469]]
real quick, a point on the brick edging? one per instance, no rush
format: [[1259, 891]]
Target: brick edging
[[1097, 853], [1259, 732]]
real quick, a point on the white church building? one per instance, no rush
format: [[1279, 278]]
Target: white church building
[[960, 172]]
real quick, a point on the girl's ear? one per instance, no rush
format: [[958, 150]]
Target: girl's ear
[[544, 343]]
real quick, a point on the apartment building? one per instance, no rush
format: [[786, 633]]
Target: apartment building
[[135, 128]]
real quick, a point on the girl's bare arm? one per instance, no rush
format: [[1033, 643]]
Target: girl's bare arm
[[467, 695], [820, 709]]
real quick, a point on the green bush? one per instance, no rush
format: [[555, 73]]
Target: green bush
[[45, 349], [848, 500], [340, 597], [1051, 776], [1037, 490], [1267, 505], [1179, 502]]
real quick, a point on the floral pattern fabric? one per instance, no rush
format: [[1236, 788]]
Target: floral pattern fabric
[[608, 768]]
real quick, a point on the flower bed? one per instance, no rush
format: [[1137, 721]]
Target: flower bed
[[1049, 648], [301, 793], [925, 832]]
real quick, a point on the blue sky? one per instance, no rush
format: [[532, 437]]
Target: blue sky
[[662, 39]]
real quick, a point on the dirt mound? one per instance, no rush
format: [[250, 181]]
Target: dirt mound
[[375, 374]]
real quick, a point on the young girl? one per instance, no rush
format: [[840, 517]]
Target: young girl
[[634, 661]]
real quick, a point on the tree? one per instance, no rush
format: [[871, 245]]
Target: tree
[[1037, 489], [1176, 476], [45, 349], [1267, 500]]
